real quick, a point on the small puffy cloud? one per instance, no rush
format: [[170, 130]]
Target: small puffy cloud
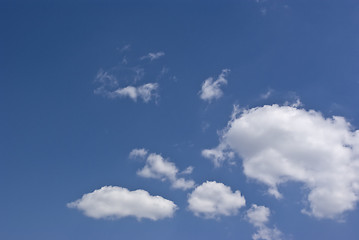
[[112, 202], [212, 89], [138, 153], [213, 200], [259, 216], [159, 168], [285, 143], [153, 56], [146, 92], [181, 183]]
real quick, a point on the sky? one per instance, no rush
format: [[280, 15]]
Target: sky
[[179, 119]]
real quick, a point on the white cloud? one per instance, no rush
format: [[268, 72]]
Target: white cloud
[[267, 94], [259, 216], [212, 200], [286, 143], [146, 92], [267, 233], [106, 80], [138, 153], [125, 48], [211, 89], [109, 85], [188, 170], [218, 154], [159, 168], [181, 183], [153, 56], [112, 202]]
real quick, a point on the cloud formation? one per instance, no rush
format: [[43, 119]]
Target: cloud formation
[[159, 168], [112, 202], [146, 92], [259, 216], [285, 143], [213, 200], [138, 153], [212, 89], [153, 56]]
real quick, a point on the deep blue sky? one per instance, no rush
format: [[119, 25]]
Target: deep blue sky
[[59, 140]]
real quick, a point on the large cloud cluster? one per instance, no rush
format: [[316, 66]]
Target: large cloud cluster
[[285, 143]]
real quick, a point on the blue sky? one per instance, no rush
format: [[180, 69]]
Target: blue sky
[[180, 119]]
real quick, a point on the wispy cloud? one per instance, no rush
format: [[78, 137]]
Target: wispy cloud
[[125, 48], [212, 89], [153, 56], [109, 86], [267, 94]]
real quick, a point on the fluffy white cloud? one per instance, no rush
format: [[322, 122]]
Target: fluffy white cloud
[[138, 153], [287, 143], [212, 200], [153, 56], [159, 168], [211, 89], [146, 92], [112, 202], [259, 216]]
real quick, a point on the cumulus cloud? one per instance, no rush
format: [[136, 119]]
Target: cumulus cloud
[[212, 200], [159, 168], [285, 143], [112, 202], [153, 56], [138, 153], [212, 89], [259, 216]]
